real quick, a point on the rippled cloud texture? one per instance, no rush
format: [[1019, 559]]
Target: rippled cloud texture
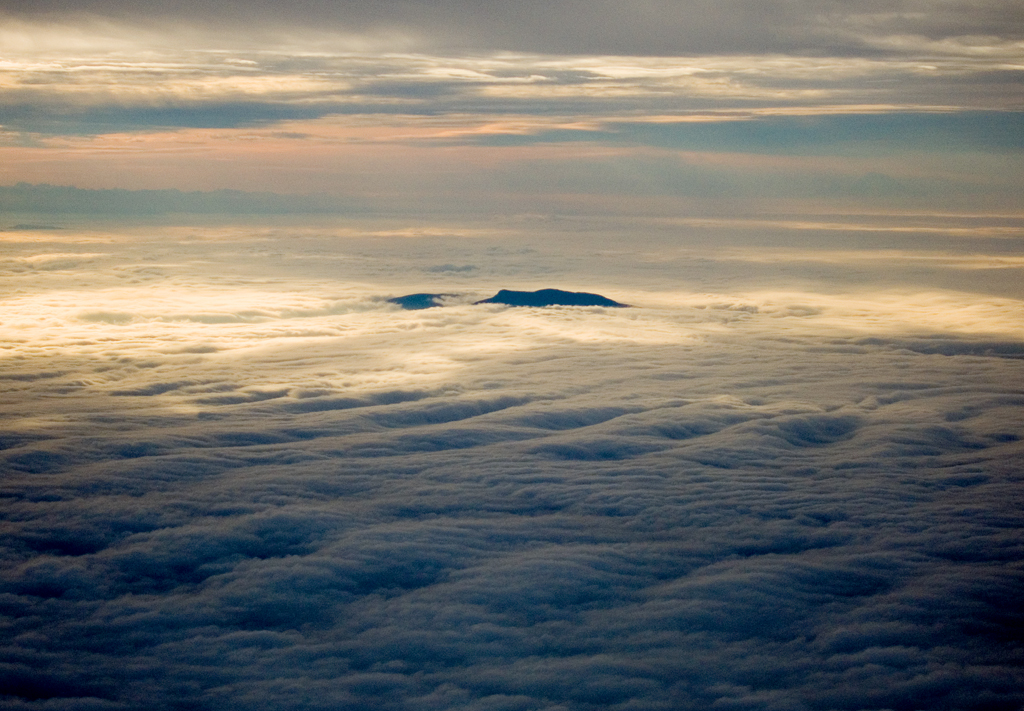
[[787, 478]]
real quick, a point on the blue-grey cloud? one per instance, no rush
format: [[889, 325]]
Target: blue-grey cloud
[[66, 199], [842, 134]]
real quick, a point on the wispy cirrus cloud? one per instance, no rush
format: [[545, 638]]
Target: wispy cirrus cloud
[[179, 78], [105, 103]]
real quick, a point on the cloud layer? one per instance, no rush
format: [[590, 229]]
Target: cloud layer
[[427, 107], [236, 477], [595, 26]]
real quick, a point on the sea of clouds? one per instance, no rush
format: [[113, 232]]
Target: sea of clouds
[[235, 477]]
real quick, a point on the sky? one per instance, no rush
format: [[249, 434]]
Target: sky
[[484, 108], [235, 475]]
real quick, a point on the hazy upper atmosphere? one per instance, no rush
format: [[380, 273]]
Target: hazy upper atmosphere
[[235, 474]]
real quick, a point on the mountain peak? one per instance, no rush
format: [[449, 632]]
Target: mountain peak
[[550, 297]]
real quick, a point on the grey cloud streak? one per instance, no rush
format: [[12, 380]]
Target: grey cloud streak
[[236, 477], [595, 26]]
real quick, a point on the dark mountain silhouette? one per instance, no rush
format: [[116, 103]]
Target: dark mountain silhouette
[[414, 302], [544, 297], [550, 297]]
